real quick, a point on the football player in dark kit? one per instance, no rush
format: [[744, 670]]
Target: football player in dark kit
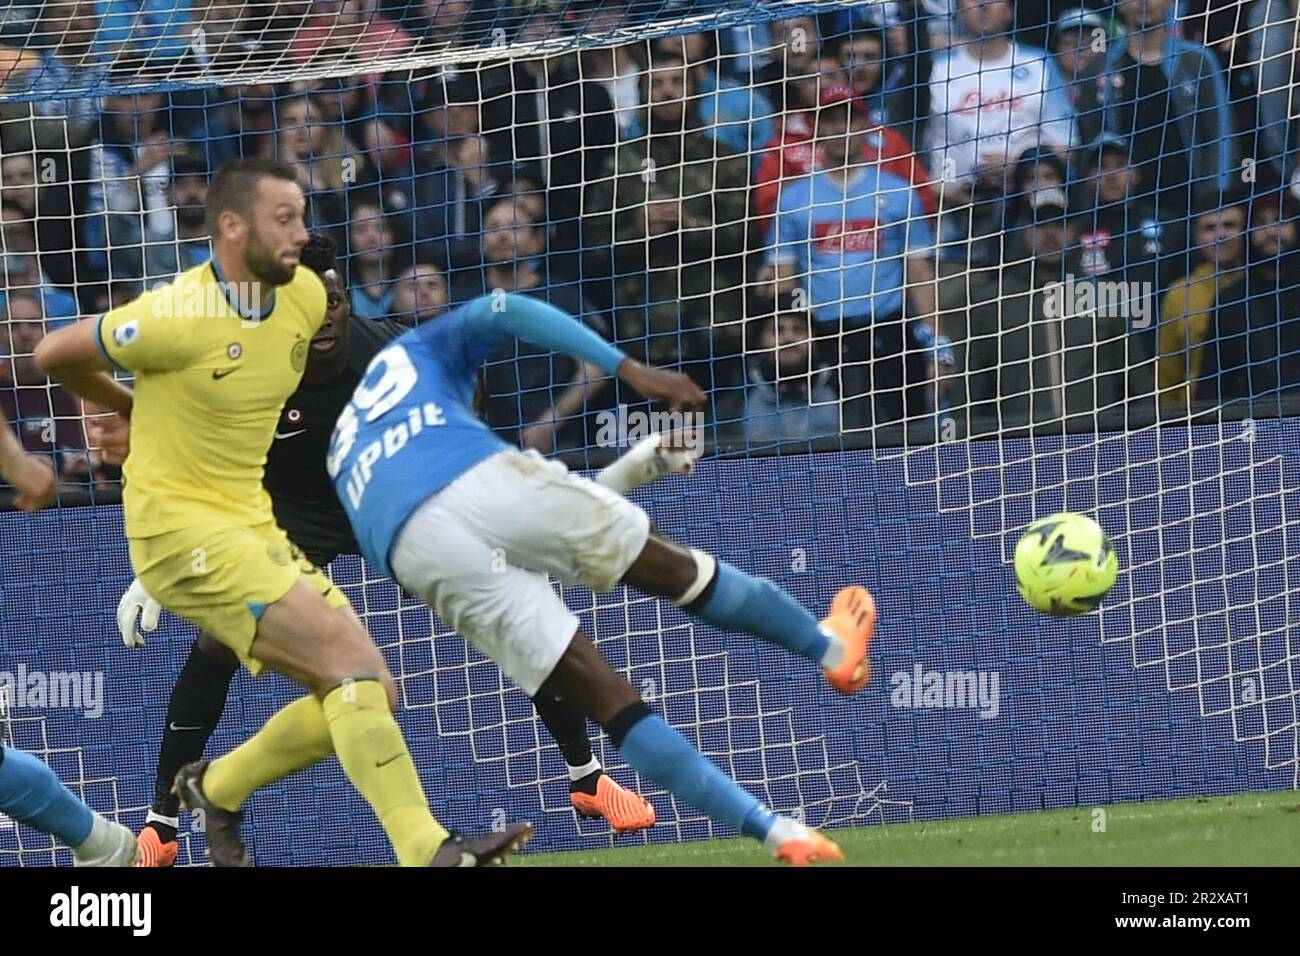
[[306, 506]]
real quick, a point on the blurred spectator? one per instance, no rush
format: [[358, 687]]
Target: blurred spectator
[[183, 242], [453, 176], [1123, 239], [1168, 97], [71, 29], [337, 31], [46, 418], [370, 253], [1036, 169], [1274, 38], [991, 101], [1256, 40], [616, 68], [45, 207], [1079, 44], [792, 153], [145, 29], [254, 117], [559, 123], [129, 168], [1203, 319], [226, 41], [328, 163], [885, 78], [858, 238], [22, 271], [222, 40], [421, 293], [737, 115], [1274, 287], [674, 211], [787, 397], [1033, 355], [439, 23], [886, 48], [796, 155], [114, 295], [746, 50], [542, 395], [798, 49]]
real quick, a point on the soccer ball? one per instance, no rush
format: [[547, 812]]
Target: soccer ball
[[1065, 564]]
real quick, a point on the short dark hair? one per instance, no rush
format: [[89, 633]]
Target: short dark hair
[[840, 45], [1211, 201], [1032, 158], [189, 164], [511, 200], [788, 305], [662, 58], [234, 187], [320, 254]]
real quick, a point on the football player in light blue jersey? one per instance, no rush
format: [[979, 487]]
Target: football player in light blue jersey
[[474, 526]]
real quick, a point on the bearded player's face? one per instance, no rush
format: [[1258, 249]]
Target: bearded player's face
[[277, 231]]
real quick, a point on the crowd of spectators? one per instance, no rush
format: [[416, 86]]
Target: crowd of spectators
[[836, 224]]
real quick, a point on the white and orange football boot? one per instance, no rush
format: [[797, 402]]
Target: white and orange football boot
[[802, 846], [853, 620]]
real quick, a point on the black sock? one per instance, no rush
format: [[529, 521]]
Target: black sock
[[567, 726], [702, 598], [198, 698]]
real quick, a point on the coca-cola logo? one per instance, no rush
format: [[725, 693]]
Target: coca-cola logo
[[853, 235], [1001, 102]]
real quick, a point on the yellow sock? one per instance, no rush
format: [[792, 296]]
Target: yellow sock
[[293, 739], [376, 759]]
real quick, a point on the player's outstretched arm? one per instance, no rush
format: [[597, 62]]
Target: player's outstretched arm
[[73, 357], [542, 324], [32, 477]]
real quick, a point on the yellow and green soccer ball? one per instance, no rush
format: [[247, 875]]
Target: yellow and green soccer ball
[[1065, 564]]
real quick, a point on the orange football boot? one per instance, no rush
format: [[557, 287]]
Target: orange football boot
[[853, 620], [809, 848], [152, 851], [622, 809]]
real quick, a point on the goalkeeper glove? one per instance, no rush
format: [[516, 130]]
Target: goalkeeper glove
[[136, 602]]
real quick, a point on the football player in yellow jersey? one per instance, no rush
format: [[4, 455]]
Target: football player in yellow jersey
[[215, 354]]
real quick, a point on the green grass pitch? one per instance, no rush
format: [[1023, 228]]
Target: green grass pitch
[[1249, 829]]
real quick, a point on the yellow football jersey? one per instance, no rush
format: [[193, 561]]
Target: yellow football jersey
[[210, 383]]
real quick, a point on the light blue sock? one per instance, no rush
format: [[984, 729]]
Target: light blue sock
[[742, 602], [660, 753], [32, 794]]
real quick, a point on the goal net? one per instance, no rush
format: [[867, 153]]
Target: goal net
[[943, 267]]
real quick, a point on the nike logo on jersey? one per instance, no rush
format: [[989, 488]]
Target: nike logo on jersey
[[385, 763], [222, 373], [300, 431], [176, 730]]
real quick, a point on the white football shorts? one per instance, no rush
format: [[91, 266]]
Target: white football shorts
[[479, 552]]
